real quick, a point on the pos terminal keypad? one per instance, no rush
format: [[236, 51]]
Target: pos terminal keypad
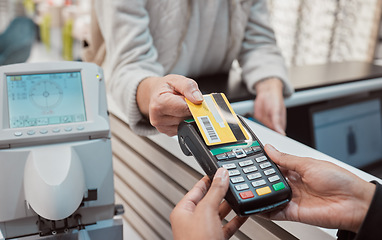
[[250, 172]]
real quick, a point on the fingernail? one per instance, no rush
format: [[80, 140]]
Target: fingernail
[[197, 95], [280, 130], [271, 148], [221, 173]]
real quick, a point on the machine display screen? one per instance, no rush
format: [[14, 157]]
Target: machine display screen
[[45, 99], [350, 133]]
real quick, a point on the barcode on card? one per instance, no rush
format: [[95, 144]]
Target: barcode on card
[[209, 129]]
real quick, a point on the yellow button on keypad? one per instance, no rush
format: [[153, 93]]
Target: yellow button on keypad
[[263, 191]]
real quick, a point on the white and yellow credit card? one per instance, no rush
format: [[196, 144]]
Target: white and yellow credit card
[[217, 121]]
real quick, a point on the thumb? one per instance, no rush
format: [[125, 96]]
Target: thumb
[[218, 188], [187, 87], [290, 162]]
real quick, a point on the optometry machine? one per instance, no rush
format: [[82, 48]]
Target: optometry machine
[[56, 174]]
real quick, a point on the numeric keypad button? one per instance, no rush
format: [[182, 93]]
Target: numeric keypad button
[[229, 166], [245, 163], [261, 159], [250, 169], [233, 173], [253, 176], [269, 171], [274, 178], [241, 187], [259, 183], [237, 179], [265, 165]]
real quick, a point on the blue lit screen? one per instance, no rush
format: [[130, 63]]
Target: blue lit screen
[[45, 99]]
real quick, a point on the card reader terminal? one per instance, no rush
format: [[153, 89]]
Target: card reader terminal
[[256, 183]]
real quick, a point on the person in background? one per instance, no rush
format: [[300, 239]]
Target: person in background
[[154, 49], [323, 194]]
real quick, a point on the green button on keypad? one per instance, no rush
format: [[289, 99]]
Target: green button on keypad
[[278, 186]]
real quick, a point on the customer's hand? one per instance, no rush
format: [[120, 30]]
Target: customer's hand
[[324, 194], [269, 105], [161, 99], [199, 214]]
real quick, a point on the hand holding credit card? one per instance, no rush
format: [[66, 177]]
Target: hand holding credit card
[[217, 120]]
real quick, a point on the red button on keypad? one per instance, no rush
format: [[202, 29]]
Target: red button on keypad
[[246, 195]]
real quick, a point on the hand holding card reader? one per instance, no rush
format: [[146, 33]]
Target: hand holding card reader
[[217, 137]]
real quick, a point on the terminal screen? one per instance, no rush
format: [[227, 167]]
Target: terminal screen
[[45, 99], [351, 133]]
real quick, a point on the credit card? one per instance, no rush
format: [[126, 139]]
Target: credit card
[[216, 120]]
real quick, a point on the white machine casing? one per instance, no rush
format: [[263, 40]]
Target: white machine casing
[[49, 178]]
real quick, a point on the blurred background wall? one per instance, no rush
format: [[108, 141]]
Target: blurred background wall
[[308, 31]]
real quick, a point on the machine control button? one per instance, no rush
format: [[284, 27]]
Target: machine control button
[[256, 149], [56, 130], [68, 129], [222, 156], [18, 134], [43, 131], [248, 150], [239, 152], [80, 128], [31, 132]]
